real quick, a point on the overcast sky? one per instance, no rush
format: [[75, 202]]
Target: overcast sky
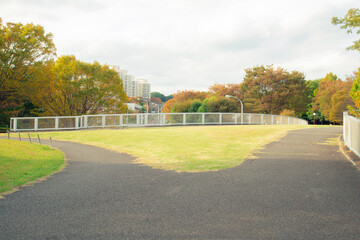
[[192, 44]]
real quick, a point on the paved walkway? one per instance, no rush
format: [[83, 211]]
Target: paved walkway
[[297, 188]]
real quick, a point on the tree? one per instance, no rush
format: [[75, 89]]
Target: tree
[[24, 49], [182, 100], [156, 100], [355, 95], [339, 101], [72, 87], [332, 97], [351, 21], [168, 105], [195, 105], [233, 89], [221, 104], [269, 90], [159, 95], [312, 87], [355, 90], [180, 107], [171, 96]]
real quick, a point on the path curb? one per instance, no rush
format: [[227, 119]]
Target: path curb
[[352, 157]]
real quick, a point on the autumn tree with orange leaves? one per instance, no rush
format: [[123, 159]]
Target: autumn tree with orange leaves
[[332, 97], [269, 90]]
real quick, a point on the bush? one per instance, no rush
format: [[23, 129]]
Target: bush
[[221, 104]]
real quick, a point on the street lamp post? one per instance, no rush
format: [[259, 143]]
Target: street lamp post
[[314, 117], [242, 106], [147, 104]]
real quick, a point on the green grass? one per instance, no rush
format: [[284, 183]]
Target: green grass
[[182, 149], [23, 162]]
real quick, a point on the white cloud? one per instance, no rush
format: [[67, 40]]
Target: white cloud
[[192, 44]]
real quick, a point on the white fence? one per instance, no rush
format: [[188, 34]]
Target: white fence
[[152, 119], [351, 133]]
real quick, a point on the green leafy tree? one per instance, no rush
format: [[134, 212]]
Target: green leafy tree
[[195, 105], [355, 95], [169, 97], [350, 22], [24, 49], [355, 91], [312, 86], [221, 104]]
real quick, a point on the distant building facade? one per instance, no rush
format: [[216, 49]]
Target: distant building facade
[[134, 107], [133, 87]]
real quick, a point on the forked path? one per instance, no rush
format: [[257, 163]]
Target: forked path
[[298, 188]]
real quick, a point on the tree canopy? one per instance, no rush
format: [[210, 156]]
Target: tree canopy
[[24, 49], [350, 22], [269, 90], [73, 87], [332, 97]]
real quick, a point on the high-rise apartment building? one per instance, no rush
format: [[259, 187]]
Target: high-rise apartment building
[[134, 87], [144, 88]]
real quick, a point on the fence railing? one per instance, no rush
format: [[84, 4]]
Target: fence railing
[[151, 119], [351, 133]]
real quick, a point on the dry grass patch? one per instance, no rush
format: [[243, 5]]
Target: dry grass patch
[[182, 149]]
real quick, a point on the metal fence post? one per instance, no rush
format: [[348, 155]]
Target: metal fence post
[[220, 118], [36, 123], [56, 123], [85, 121], [262, 119], [250, 118], [81, 121], [184, 119], [203, 118], [103, 120], [76, 122], [15, 124]]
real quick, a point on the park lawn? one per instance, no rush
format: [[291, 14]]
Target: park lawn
[[182, 149], [23, 162]]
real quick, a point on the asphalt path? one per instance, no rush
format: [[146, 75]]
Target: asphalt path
[[297, 188]]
